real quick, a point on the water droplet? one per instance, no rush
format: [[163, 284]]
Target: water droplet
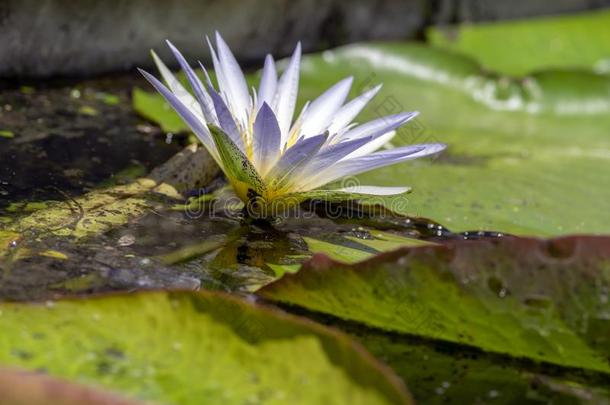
[[439, 233], [168, 138], [431, 226], [493, 394], [13, 244]]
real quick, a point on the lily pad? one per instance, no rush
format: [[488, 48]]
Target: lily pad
[[519, 47], [542, 301], [185, 348], [526, 156]]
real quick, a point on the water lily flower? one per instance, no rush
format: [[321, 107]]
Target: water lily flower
[[268, 157]]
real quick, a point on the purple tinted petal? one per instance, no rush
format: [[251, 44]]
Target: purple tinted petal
[[330, 155], [266, 139], [225, 119], [193, 122], [351, 167], [202, 96], [379, 126], [175, 86], [296, 156]]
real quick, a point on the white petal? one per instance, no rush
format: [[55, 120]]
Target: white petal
[[322, 109], [236, 86], [176, 87], [375, 190], [328, 156], [225, 118], [205, 102], [286, 95], [372, 146], [349, 111], [379, 126], [375, 160], [268, 85], [195, 122]]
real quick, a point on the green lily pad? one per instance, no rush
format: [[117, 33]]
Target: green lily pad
[[185, 348], [544, 301], [526, 156], [442, 374], [519, 47], [157, 110]]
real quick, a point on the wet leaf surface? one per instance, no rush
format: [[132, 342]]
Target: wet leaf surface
[[545, 302], [182, 347]]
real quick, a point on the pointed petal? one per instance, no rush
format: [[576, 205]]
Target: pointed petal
[[220, 78], [323, 108], [371, 146], [375, 160], [349, 111], [195, 123], [225, 118], [266, 139], [208, 80], [202, 96], [379, 126], [268, 85], [236, 87], [328, 156], [294, 158], [286, 95], [375, 190], [175, 86]]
